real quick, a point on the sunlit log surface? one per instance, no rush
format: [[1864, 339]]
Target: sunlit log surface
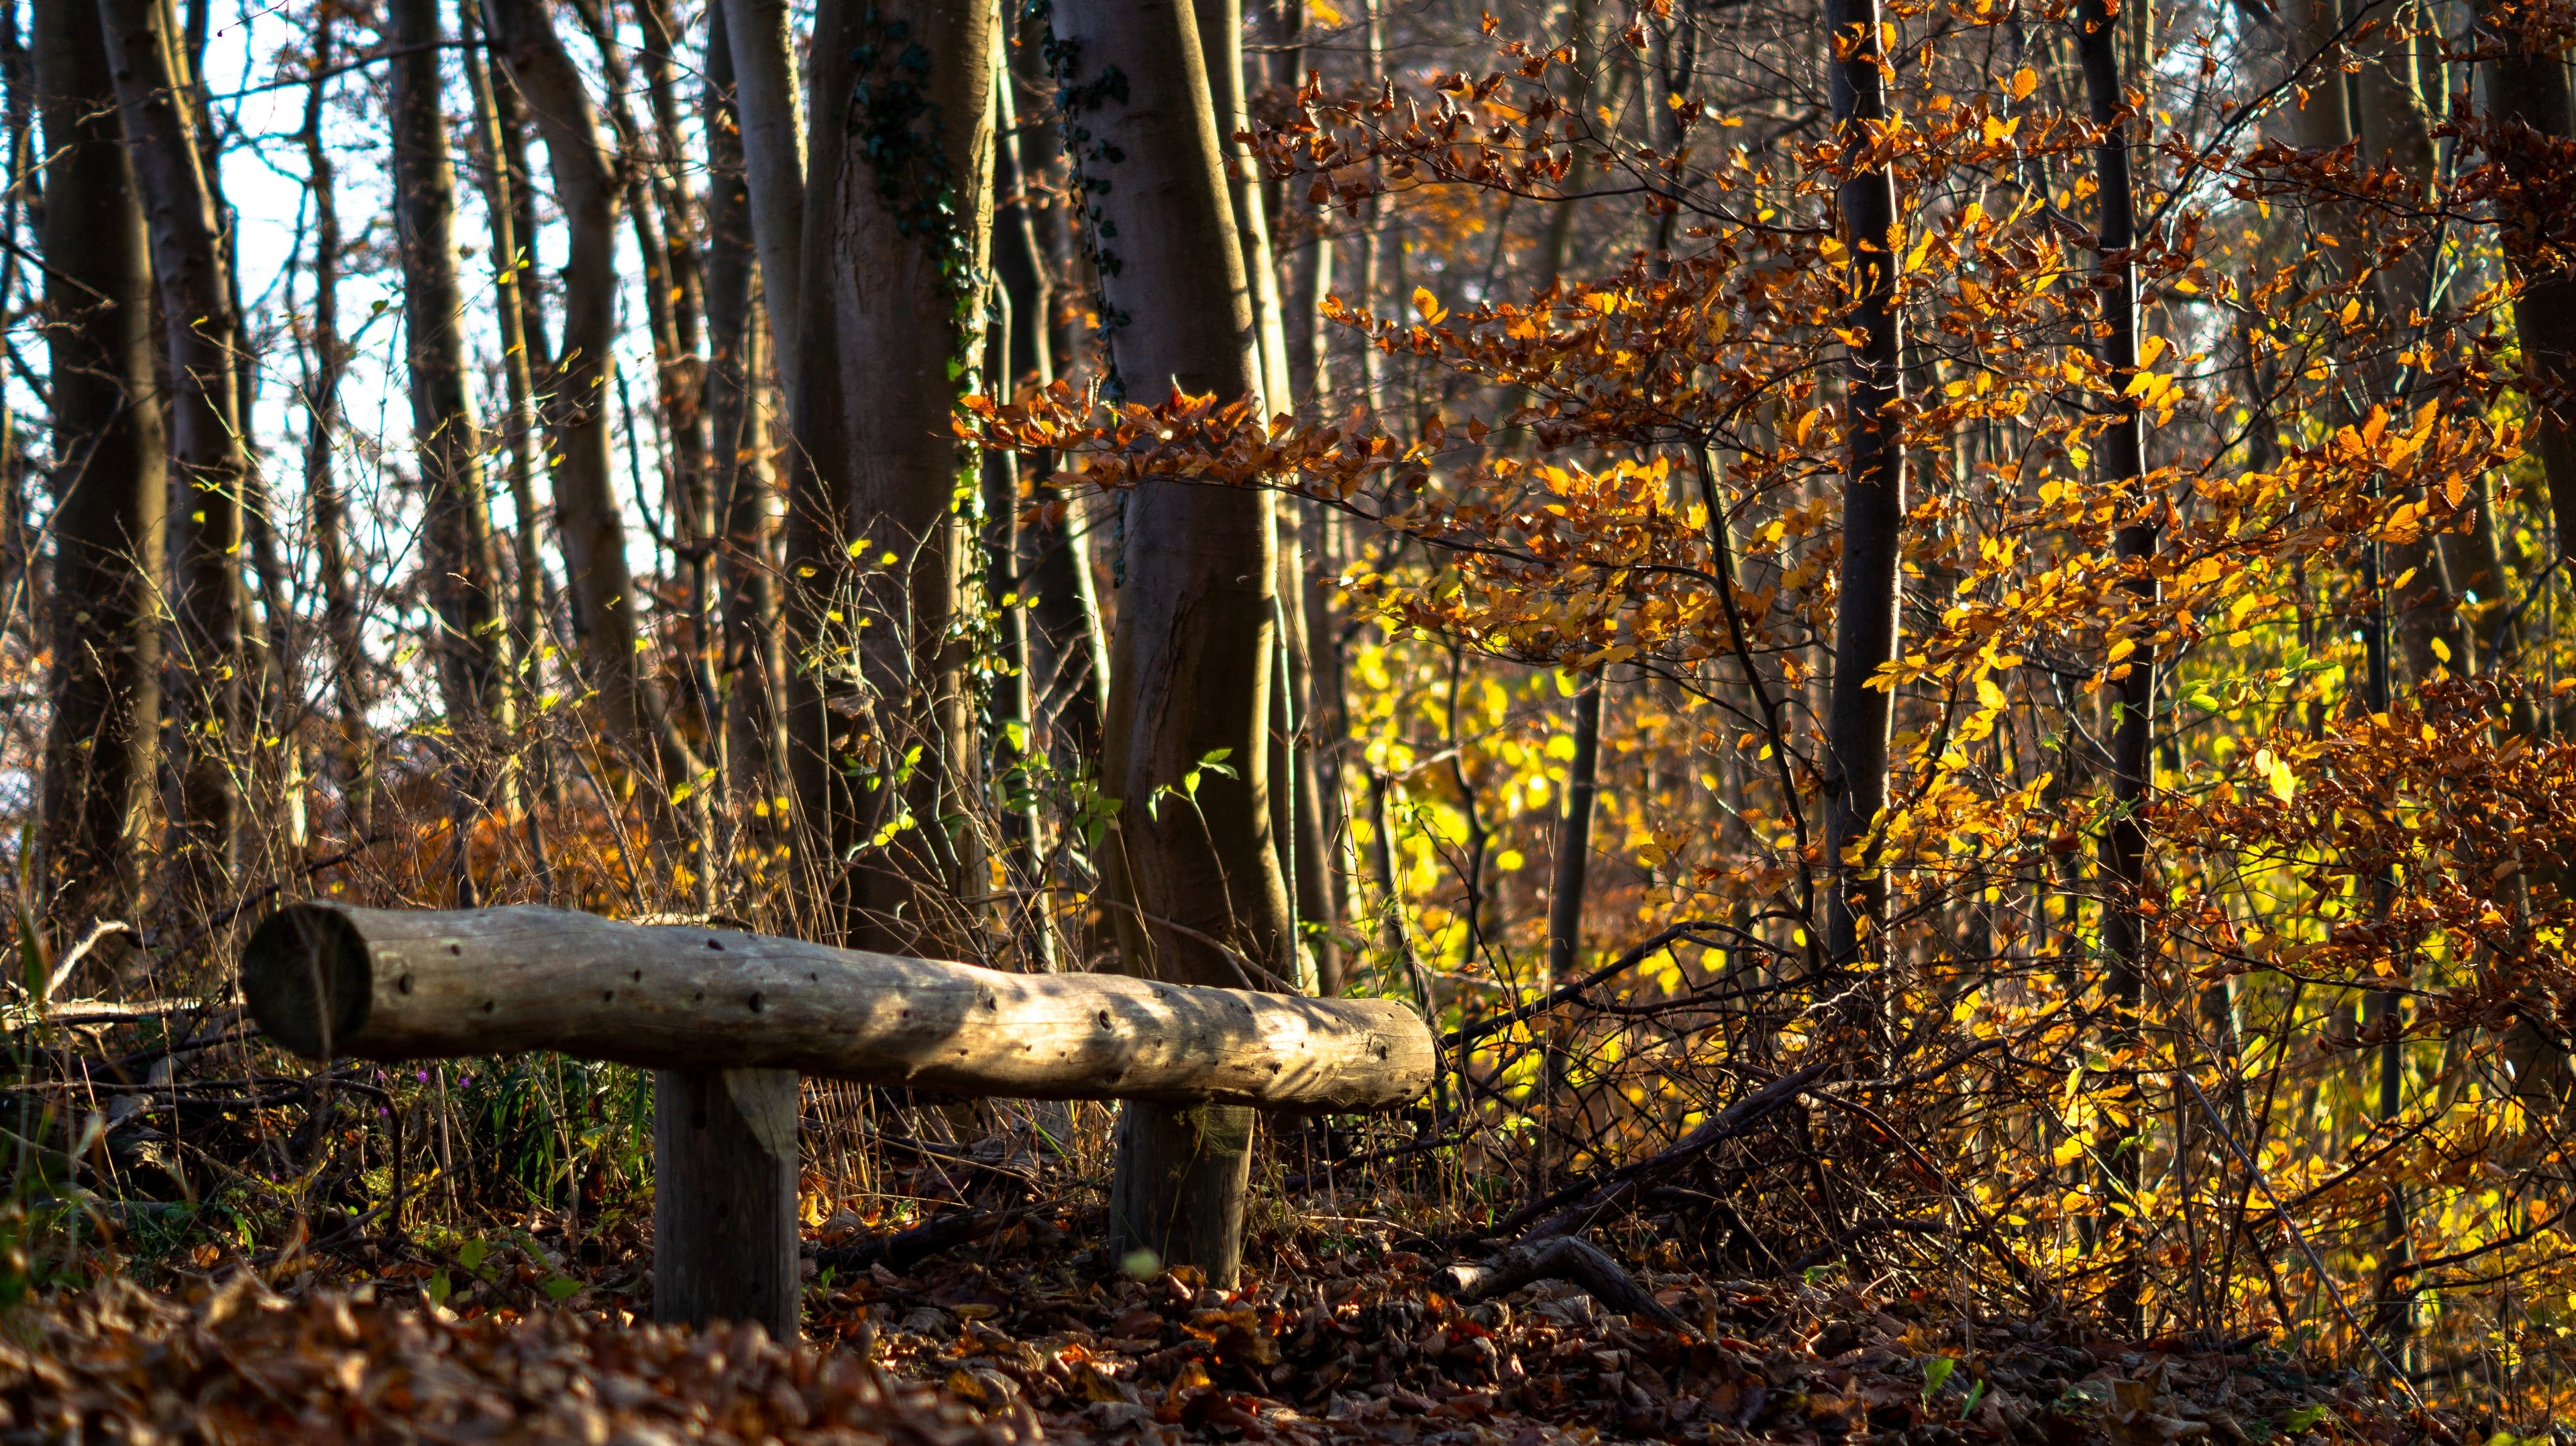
[[334, 981]]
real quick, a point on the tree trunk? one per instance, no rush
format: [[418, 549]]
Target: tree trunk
[[1056, 552], [741, 481], [2529, 85], [1293, 798], [1191, 677], [109, 483], [322, 496], [763, 55], [590, 522], [898, 237], [206, 436], [1866, 622], [500, 149], [2132, 691], [473, 649]]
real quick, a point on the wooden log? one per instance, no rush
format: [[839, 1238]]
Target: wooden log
[[335, 981]]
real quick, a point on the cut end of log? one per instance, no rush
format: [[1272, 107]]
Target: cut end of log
[[307, 979]]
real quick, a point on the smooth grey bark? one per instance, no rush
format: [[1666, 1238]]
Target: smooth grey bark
[[1294, 800], [898, 238], [202, 332], [1858, 715], [1191, 675], [110, 481], [762, 52], [473, 644]]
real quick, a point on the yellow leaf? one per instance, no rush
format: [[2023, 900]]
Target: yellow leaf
[[2024, 81], [1427, 306]]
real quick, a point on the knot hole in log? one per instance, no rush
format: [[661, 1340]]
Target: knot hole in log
[[305, 977]]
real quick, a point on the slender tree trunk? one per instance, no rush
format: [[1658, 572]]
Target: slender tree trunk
[[589, 519], [763, 54], [1867, 621], [501, 153], [473, 646], [1293, 799], [327, 507], [1019, 352], [687, 427], [2131, 693], [1056, 551], [1568, 882], [741, 480], [109, 481], [898, 235], [206, 436], [1191, 675]]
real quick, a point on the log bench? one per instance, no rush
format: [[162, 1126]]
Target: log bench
[[729, 1020]]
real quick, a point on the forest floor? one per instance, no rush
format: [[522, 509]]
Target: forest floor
[[1339, 1336]]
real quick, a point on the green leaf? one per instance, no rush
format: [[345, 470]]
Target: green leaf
[[1936, 1374], [471, 1254], [562, 1287], [440, 1288], [2304, 1417], [1976, 1393]]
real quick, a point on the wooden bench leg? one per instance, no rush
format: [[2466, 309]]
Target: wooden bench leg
[[724, 1198]]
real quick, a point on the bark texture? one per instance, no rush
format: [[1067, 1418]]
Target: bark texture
[[762, 51], [110, 479], [473, 648], [332, 981], [2122, 457], [898, 238], [744, 487], [1193, 659], [202, 333]]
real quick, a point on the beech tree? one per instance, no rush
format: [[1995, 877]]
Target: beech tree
[[1201, 898], [473, 644], [202, 337], [110, 477]]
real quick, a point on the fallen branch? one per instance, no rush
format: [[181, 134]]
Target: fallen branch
[[1560, 1257], [904, 1249], [1601, 1195]]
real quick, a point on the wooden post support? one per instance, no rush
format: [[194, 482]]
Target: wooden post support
[[730, 1019], [724, 1198]]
